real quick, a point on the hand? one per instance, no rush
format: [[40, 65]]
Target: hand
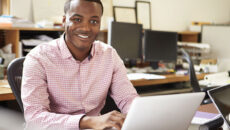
[[112, 119]]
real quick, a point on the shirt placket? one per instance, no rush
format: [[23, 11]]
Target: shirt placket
[[82, 84], [83, 75]]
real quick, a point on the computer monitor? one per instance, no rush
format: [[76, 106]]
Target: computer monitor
[[126, 38], [160, 46]]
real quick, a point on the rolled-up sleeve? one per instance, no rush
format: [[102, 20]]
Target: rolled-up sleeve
[[35, 98], [122, 91]]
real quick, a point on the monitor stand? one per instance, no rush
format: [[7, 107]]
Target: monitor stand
[[154, 65], [130, 63], [158, 69]]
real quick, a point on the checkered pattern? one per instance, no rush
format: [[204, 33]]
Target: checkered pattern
[[58, 90]]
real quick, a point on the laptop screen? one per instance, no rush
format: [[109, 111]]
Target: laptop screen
[[221, 98]]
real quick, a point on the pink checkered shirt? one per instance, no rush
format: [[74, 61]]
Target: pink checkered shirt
[[58, 90]]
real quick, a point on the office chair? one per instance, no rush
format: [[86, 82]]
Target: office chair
[[14, 76], [193, 79], [211, 125]]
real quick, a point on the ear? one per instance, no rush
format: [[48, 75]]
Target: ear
[[63, 21]]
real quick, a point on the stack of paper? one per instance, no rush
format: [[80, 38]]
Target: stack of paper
[[136, 76], [203, 117], [10, 21]]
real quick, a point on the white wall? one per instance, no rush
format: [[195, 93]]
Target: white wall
[[52, 10], [107, 14], [177, 15], [21, 8]]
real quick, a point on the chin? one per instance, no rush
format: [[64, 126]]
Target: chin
[[83, 46]]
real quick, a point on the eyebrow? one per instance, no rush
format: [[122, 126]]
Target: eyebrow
[[76, 15], [82, 16]]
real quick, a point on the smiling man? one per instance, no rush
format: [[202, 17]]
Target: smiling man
[[66, 81]]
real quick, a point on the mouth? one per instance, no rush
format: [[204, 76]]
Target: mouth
[[83, 36]]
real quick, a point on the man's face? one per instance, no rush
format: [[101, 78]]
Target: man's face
[[82, 23]]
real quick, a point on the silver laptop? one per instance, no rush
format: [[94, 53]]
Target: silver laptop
[[165, 112], [221, 98]]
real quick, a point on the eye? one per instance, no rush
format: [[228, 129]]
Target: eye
[[77, 20], [93, 21]]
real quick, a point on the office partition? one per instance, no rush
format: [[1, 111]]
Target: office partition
[[218, 36]]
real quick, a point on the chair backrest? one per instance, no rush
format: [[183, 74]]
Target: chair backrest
[[14, 76], [192, 74]]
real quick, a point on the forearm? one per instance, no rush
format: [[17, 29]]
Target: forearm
[[86, 122], [44, 119]]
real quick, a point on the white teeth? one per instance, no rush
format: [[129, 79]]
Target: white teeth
[[83, 36]]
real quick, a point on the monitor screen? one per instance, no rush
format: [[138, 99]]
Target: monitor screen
[[160, 46], [126, 38]]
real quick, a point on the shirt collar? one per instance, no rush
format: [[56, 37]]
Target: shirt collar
[[65, 52]]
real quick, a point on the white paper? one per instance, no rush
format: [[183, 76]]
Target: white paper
[[136, 76]]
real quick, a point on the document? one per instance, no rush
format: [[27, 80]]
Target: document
[[136, 76], [203, 117]]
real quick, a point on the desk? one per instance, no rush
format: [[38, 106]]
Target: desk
[[171, 78], [6, 93], [210, 108]]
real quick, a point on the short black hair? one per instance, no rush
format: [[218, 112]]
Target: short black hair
[[67, 5]]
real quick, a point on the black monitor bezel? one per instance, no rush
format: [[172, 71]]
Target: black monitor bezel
[[157, 59], [140, 54]]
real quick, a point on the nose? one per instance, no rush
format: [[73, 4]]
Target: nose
[[85, 27]]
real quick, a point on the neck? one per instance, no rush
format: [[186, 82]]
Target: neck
[[78, 53]]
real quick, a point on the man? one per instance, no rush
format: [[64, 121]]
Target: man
[[65, 82]]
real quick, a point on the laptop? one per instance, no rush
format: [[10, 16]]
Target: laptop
[[165, 112], [220, 96]]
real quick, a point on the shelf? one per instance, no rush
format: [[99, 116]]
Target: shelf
[[14, 35], [31, 29], [188, 36]]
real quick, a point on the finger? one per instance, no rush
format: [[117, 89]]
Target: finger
[[117, 120], [116, 113], [120, 115], [113, 124]]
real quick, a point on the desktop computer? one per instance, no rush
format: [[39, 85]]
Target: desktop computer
[[160, 47], [131, 45], [126, 38]]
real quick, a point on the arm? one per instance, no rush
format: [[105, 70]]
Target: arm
[[36, 102], [122, 91]]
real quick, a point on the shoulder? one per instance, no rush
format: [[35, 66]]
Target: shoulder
[[44, 49], [106, 50], [101, 47]]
